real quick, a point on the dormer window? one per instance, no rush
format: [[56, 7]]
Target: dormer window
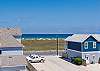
[[94, 44], [86, 45]]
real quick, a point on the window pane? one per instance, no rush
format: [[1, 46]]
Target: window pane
[[94, 44], [86, 45]]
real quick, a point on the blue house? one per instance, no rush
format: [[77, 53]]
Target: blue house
[[86, 46]]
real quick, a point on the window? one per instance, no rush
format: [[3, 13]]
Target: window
[[94, 44], [86, 45]]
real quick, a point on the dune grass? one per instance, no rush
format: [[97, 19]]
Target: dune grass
[[39, 45]]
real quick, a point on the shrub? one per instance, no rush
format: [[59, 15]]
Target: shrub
[[84, 62], [64, 55], [77, 61]]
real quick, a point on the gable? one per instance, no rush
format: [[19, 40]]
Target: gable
[[7, 40], [77, 37], [90, 38], [83, 37]]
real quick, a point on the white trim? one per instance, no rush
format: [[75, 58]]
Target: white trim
[[92, 52], [74, 50], [94, 44], [85, 52], [20, 52], [85, 45]]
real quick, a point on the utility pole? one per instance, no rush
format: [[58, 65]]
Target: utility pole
[[57, 46]]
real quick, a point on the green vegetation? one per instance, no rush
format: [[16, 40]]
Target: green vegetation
[[38, 45], [77, 61], [84, 62], [64, 55]]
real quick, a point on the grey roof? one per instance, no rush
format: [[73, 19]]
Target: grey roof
[[7, 40], [11, 61], [82, 37], [12, 31]]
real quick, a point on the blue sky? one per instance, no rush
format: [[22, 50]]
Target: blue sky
[[51, 16]]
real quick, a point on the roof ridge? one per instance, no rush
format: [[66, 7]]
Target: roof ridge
[[82, 37]]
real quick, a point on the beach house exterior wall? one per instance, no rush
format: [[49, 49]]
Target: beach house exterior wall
[[11, 51], [17, 68], [90, 49], [73, 49], [87, 47]]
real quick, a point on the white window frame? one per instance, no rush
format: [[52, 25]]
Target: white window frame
[[94, 44], [86, 45]]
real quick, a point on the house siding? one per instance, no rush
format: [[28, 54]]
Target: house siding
[[11, 51], [90, 41], [17, 68], [96, 55], [10, 48], [74, 46], [19, 52], [72, 53], [98, 46], [90, 52]]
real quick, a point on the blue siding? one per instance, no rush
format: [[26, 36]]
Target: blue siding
[[77, 46], [90, 47], [74, 46], [10, 48], [98, 46], [80, 47], [90, 41]]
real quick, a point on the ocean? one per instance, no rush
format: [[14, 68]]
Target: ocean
[[44, 36]]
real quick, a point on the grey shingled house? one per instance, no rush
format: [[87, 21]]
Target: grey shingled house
[[11, 51]]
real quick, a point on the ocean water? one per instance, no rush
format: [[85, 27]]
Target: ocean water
[[51, 36]]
